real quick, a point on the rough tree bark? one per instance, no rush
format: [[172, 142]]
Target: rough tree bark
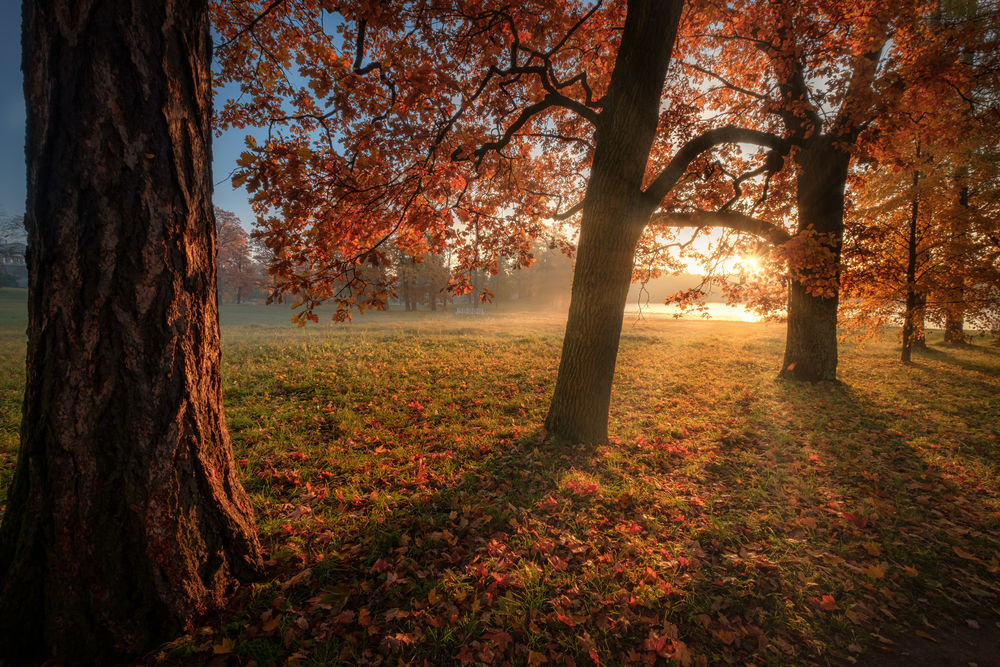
[[811, 340], [125, 520], [614, 215]]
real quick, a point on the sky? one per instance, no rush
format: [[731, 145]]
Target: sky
[[226, 148]]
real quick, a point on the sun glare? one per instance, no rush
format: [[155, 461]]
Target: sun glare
[[749, 264]]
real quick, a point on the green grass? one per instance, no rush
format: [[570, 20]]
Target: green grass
[[412, 510]]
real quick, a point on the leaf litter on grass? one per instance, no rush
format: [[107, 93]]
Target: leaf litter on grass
[[413, 512]]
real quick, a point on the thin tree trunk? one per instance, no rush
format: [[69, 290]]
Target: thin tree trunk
[[125, 520], [912, 301], [811, 340], [919, 341], [954, 324], [614, 216]]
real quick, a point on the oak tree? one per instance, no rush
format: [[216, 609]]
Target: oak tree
[[469, 125], [125, 520]]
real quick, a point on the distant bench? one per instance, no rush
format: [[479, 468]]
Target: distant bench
[[467, 310]]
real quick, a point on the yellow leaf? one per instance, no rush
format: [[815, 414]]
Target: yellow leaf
[[910, 571], [962, 553], [225, 647], [433, 597], [876, 571], [271, 624], [872, 549]]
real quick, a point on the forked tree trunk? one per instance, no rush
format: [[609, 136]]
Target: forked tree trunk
[[125, 520], [614, 216], [811, 340]]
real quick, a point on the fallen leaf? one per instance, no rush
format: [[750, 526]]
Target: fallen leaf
[[682, 655], [224, 647], [962, 553], [808, 522], [855, 616], [872, 549], [876, 571], [727, 637], [535, 658]]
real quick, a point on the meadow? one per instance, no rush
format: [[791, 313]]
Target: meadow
[[413, 512]]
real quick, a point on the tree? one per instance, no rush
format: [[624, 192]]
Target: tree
[[547, 281], [474, 147], [820, 81], [125, 520], [422, 279], [917, 235], [238, 270]]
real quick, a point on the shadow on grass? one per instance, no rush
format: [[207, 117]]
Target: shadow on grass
[[735, 519], [866, 529], [959, 357], [412, 581]]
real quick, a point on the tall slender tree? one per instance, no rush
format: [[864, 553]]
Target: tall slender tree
[[125, 520]]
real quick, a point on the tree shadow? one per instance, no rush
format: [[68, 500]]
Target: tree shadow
[[958, 356], [870, 516], [735, 518], [389, 582]]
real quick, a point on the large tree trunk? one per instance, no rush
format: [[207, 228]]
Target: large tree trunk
[[614, 216], [811, 341], [125, 520]]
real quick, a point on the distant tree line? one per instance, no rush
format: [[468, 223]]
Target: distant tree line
[[240, 259], [426, 282]]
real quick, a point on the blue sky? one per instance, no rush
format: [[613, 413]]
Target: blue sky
[[11, 110], [226, 148]]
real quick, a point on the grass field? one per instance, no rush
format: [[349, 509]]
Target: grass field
[[413, 512]]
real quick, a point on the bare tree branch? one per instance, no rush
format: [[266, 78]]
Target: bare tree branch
[[727, 219], [667, 179], [724, 82]]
